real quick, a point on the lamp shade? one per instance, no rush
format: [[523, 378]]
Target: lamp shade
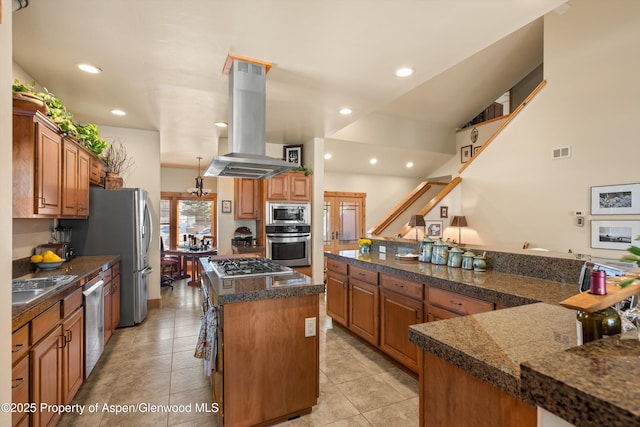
[[416, 220], [459, 221]]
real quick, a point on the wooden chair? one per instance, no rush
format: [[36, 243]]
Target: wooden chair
[[169, 266]]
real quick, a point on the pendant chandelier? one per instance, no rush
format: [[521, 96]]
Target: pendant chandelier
[[199, 191]]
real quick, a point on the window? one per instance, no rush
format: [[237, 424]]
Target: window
[[182, 215]]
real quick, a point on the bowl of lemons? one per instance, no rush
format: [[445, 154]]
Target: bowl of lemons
[[47, 260]]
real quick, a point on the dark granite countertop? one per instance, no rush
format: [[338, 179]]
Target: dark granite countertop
[[491, 346], [82, 267], [255, 288], [508, 289], [596, 384]]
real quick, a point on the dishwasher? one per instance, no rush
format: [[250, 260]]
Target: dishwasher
[[93, 292]]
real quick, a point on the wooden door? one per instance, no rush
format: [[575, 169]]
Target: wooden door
[[299, 187], [82, 189], [363, 310], [48, 171], [277, 187], [397, 313], [336, 294], [46, 376], [69, 178], [73, 355], [344, 220], [247, 195]]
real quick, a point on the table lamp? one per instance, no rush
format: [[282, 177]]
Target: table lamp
[[418, 220], [459, 221]]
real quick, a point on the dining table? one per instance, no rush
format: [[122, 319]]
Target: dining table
[[188, 257]]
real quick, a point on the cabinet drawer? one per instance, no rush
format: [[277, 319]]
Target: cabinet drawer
[[437, 313], [364, 275], [337, 266], [402, 286], [19, 343], [458, 303], [71, 302], [20, 388], [45, 322]]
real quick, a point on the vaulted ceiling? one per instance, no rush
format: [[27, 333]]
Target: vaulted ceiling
[[162, 63]]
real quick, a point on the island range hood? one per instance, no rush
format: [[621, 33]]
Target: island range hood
[[247, 135]]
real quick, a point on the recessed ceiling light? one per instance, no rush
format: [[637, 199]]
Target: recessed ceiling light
[[373, 161], [410, 164], [405, 72], [345, 111], [118, 113], [327, 156], [221, 124], [88, 68]]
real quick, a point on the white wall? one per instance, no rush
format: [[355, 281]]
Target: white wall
[[144, 147], [514, 192], [178, 180], [6, 189], [383, 192]]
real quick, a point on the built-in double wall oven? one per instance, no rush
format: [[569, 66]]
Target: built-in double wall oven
[[288, 232]]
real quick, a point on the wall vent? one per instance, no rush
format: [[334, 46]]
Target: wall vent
[[561, 153]]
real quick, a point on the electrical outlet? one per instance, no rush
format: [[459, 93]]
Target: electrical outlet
[[382, 249], [310, 327]]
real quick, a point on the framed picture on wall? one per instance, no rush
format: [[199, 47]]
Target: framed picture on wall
[[293, 154], [465, 153], [615, 200], [444, 212], [433, 229], [614, 234], [226, 206]]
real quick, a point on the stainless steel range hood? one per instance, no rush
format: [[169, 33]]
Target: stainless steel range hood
[[247, 105]]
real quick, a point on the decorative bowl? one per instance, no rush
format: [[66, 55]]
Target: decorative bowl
[[49, 265]]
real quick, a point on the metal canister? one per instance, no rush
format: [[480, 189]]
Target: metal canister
[[440, 252], [426, 247], [598, 282], [455, 257], [467, 260]]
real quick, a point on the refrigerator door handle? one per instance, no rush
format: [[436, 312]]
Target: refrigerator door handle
[[146, 271]]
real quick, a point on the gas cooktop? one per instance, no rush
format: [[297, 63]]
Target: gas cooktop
[[245, 267]]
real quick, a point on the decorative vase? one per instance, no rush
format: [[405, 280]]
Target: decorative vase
[[112, 181], [440, 252]]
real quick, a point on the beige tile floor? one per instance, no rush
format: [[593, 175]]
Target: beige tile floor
[[153, 364]]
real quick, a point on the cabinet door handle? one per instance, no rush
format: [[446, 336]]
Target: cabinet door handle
[[417, 314], [43, 202], [16, 348], [70, 333], [17, 382], [64, 341]]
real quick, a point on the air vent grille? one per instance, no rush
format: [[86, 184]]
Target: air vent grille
[[561, 153]]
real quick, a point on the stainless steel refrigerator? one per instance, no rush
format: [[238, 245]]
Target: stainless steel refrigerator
[[120, 224]]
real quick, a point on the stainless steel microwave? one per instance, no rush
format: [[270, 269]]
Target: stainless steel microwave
[[288, 213]]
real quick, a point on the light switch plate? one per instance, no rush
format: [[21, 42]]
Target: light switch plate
[[310, 327], [382, 249]]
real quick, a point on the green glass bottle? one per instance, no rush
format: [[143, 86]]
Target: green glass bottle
[[593, 326]]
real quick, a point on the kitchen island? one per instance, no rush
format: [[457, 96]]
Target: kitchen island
[[265, 367], [495, 368]]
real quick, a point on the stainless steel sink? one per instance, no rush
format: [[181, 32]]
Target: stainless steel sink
[[28, 289]]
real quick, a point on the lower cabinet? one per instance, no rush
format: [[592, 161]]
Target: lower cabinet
[[337, 292], [46, 376], [111, 301], [363, 303], [397, 313], [20, 391], [115, 301], [445, 304], [72, 355]]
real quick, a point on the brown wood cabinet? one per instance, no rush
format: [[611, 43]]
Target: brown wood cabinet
[[293, 186], [20, 374], [337, 291], [267, 370], [364, 298], [46, 376], [37, 166], [247, 197], [76, 169], [444, 304], [96, 173], [115, 301], [73, 354], [401, 305], [111, 279]]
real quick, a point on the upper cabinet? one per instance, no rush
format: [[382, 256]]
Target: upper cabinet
[[293, 186], [37, 166], [51, 174], [247, 196]]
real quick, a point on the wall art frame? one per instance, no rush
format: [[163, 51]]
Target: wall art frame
[[614, 234], [444, 211], [433, 229], [623, 199], [226, 206], [465, 153], [293, 154]]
